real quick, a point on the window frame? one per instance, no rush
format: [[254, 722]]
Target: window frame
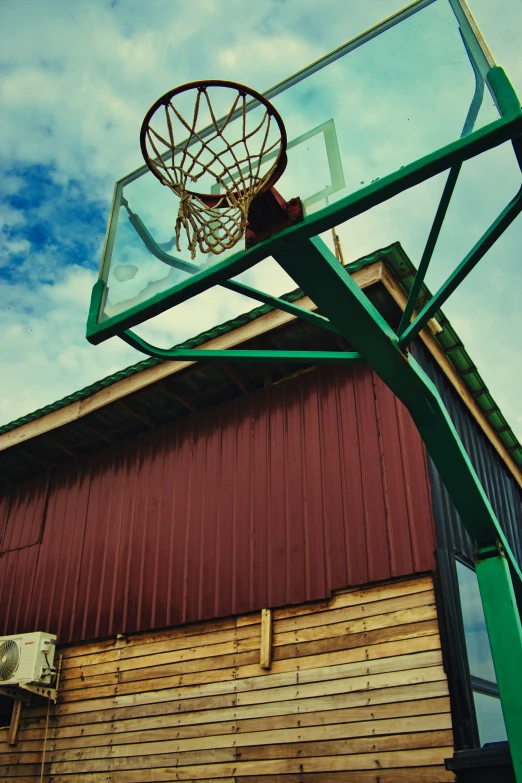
[[461, 682], [454, 652], [485, 687]]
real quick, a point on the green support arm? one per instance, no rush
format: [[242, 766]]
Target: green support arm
[[181, 354], [232, 285]]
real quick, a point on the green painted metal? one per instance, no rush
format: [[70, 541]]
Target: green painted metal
[[400, 266], [281, 304], [312, 265], [505, 637], [231, 285], [487, 240], [209, 355], [447, 193], [97, 294], [480, 61], [355, 204]]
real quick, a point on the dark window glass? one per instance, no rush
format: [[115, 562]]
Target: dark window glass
[[6, 709], [483, 681]]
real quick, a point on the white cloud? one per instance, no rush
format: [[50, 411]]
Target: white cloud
[[75, 82], [44, 352]]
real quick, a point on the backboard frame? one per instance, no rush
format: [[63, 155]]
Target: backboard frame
[[481, 61], [495, 133]]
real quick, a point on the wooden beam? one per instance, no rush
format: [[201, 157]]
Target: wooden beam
[[234, 375], [16, 716], [176, 396], [98, 431], [126, 407], [59, 445], [33, 457], [265, 658], [295, 375]]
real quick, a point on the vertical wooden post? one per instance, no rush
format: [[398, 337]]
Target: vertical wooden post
[[12, 736], [266, 639]]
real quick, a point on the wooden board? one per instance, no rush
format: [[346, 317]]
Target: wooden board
[[356, 687], [265, 658], [130, 731], [213, 674]]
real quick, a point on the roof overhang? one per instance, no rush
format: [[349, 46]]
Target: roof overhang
[[94, 406]]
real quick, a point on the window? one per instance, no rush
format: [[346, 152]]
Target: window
[[6, 710], [483, 681]]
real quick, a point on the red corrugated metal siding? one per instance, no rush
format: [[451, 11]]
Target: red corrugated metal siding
[[275, 498], [21, 515]]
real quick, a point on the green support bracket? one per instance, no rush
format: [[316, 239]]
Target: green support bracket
[[314, 267], [231, 285], [281, 304], [436, 227], [347, 310], [231, 355], [487, 240]]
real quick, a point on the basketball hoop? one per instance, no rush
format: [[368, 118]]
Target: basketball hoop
[[239, 159]]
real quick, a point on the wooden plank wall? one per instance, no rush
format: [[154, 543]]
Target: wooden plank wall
[[356, 692]]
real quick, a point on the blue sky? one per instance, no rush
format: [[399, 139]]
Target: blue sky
[[75, 82]]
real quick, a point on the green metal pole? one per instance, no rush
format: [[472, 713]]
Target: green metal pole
[[505, 637], [316, 270]]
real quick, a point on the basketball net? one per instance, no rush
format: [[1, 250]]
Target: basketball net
[[213, 222]]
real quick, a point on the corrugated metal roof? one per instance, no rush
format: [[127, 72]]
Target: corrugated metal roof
[[403, 271]]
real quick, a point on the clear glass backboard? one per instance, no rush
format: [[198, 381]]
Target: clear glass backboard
[[410, 85]]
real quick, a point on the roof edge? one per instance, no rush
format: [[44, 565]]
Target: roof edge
[[403, 272]]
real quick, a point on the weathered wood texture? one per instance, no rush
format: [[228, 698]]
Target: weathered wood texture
[[265, 658], [356, 692]]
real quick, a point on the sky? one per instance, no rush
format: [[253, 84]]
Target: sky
[[75, 82]]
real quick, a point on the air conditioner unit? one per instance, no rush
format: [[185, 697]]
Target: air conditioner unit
[[27, 660]]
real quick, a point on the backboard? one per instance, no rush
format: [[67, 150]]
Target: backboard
[[392, 95]]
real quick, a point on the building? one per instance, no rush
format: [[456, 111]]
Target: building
[[151, 519]]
